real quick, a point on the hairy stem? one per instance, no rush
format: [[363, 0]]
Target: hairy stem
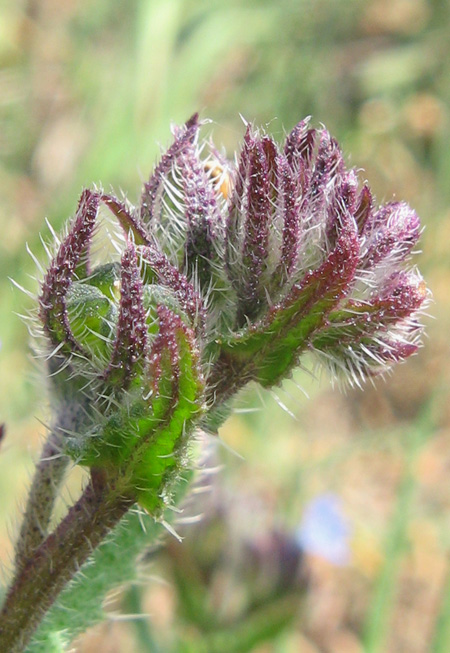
[[42, 577], [43, 492], [226, 379]]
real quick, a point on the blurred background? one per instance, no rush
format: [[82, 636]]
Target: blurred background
[[329, 531]]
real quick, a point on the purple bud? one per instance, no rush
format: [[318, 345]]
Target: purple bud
[[328, 166], [130, 345], [256, 233], [403, 293], [402, 296], [389, 234], [287, 254], [67, 264], [165, 343], [128, 220], [300, 144], [391, 351], [342, 200], [288, 206], [153, 189], [237, 207], [363, 208], [201, 214], [328, 284], [249, 218], [170, 277]]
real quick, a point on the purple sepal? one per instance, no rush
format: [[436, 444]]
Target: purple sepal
[[299, 146], [364, 208], [130, 345], [67, 264], [326, 285], [254, 254], [201, 213], [389, 234], [154, 188], [165, 340], [269, 349], [359, 321], [379, 356], [328, 167], [402, 294], [127, 220], [342, 201], [395, 352], [175, 374], [170, 277], [288, 205], [237, 208]]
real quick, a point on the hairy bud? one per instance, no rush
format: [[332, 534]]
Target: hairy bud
[[229, 273]]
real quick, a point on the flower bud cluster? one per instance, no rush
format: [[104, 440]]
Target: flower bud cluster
[[230, 271]]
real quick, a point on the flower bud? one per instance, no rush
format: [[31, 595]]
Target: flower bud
[[389, 234], [66, 265], [127, 355], [228, 274]]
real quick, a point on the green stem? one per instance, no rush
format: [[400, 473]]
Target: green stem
[[142, 627], [81, 603], [41, 578]]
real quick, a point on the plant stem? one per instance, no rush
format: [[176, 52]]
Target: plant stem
[[41, 499], [142, 627], [42, 577]]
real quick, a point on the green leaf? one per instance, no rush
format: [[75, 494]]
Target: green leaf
[[91, 317]]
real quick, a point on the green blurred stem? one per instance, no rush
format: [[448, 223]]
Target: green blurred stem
[[142, 627], [41, 499], [41, 578]]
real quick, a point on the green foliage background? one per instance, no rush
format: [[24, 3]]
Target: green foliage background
[[87, 91]]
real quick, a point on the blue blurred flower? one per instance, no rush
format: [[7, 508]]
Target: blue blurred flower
[[324, 530]]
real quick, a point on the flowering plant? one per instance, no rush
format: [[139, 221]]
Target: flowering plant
[[229, 272]]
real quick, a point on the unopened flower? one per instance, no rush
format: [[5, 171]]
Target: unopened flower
[[230, 271]]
